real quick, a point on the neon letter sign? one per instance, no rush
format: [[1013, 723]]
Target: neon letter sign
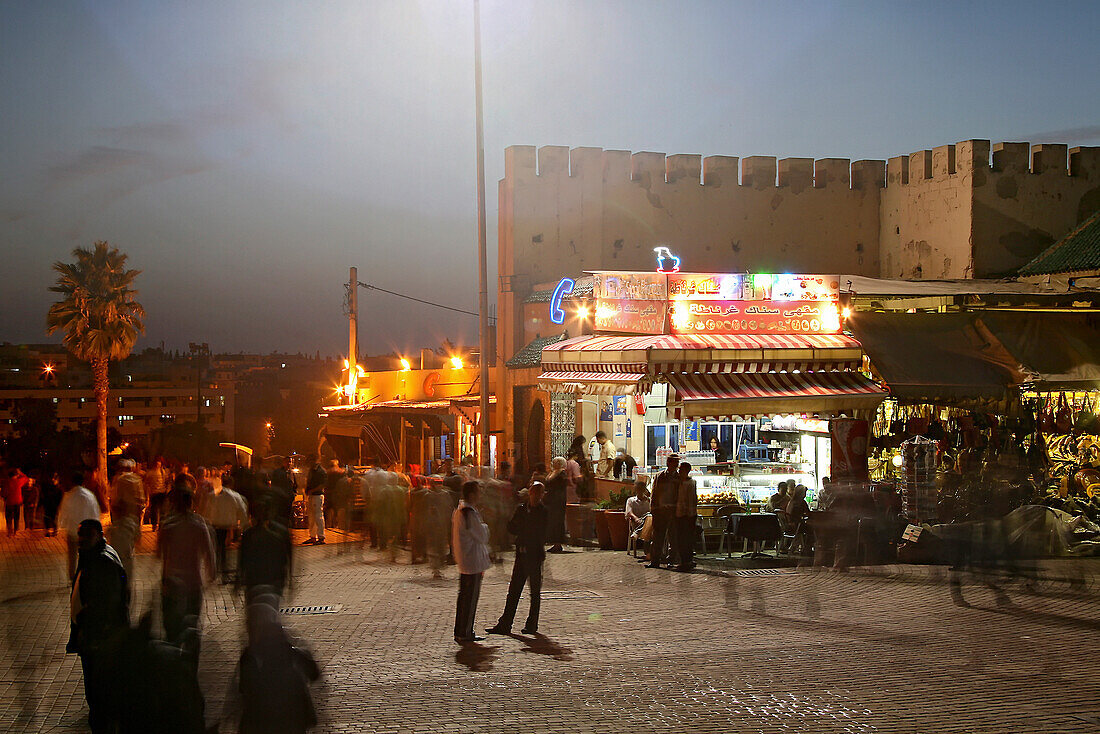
[[565, 287]]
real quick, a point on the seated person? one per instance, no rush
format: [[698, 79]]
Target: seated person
[[638, 506], [779, 500], [797, 508]]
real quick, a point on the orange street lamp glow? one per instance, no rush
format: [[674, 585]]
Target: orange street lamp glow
[[583, 312], [405, 366], [47, 368], [456, 362]]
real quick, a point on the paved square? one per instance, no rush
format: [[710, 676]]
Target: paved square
[[626, 649]]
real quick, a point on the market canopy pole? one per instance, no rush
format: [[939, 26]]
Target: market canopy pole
[[483, 293]]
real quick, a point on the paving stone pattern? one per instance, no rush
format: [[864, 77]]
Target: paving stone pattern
[[626, 649]]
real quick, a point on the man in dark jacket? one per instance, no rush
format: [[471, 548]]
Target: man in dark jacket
[[315, 501], [265, 560], [100, 619], [666, 489], [528, 524]]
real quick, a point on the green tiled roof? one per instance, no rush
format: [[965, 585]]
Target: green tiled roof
[[1079, 250], [531, 355], [583, 289]]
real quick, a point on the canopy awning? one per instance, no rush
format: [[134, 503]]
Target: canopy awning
[[593, 383], [1057, 351], [666, 353], [721, 395], [937, 358]]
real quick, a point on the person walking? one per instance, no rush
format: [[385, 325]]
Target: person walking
[[30, 502], [50, 497], [557, 485], [13, 498], [687, 502], [470, 539], [284, 488], [528, 524], [315, 499], [264, 564], [78, 505], [99, 605], [127, 503], [226, 511], [665, 488], [185, 545]]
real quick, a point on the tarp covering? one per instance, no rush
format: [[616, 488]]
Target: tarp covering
[[710, 395], [949, 358], [1059, 351]]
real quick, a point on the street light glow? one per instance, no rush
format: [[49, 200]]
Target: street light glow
[[47, 368], [456, 362], [405, 366]]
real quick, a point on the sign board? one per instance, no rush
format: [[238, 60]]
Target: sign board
[[636, 317], [630, 287], [754, 317], [849, 449], [706, 286]]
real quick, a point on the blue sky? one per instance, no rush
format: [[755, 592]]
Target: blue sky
[[246, 153]]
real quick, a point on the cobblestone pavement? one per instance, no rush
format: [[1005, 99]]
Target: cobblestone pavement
[[626, 649]]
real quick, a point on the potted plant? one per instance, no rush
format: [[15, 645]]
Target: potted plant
[[613, 520]]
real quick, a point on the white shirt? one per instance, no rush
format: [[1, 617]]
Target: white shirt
[[226, 509], [470, 537], [77, 505]]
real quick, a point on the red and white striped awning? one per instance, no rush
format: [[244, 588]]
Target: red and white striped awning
[[593, 383], [720, 395], [724, 353]]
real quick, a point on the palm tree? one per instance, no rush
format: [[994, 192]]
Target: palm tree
[[100, 319]]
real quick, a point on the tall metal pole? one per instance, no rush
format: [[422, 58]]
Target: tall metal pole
[[483, 277], [353, 319]]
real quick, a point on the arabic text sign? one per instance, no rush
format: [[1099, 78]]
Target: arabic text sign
[[706, 286], [630, 287], [754, 317], [636, 317]]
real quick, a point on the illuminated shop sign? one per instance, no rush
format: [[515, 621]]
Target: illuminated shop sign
[[666, 261], [630, 287], [565, 287], [754, 317], [707, 286], [636, 317]]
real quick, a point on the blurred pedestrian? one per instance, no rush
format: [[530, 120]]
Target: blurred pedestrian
[[204, 489], [77, 505], [557, 486], [315, 499], [284, 488], [127, 503], [156, 490], [264, 562], [337, 496], [687, 502], [185, 545], [14, 483], [50, 497], [470, 539], [528, 524], [665, 494], [226, 511], [30, 502], [274, 678], [99, 605]]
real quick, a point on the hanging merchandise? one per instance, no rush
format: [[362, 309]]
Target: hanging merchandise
[[1086, 419], [1046, 415], [1063, 419]]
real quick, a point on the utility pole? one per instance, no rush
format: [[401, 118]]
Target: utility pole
[[198, 353], [483, 292], [353, 321]]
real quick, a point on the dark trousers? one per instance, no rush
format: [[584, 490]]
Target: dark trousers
[[177, 604], [221, 540], [99, 683], [469, 589], [685, 540], [662, 523], [11, 515], [525, 570], [30, 509], [156, 505]]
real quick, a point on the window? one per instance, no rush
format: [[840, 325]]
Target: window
[[208, 402], [659, 436], [730, 436]]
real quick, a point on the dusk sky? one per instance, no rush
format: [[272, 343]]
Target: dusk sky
[[245, 154]]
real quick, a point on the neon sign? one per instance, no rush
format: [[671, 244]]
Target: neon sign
[[666, 261], [565, 287]]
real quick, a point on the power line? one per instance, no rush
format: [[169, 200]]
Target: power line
[[418, 300]]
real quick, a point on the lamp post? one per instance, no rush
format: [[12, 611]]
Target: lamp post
[[483, 292]]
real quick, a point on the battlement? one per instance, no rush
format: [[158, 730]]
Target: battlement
[[525, 162], [967, 157]]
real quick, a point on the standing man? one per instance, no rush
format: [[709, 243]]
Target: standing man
[[528, 524], [687, 502], [665, 489], [13, 498], [127, 503], [156, 489], [77, 505], [99, 619], [315, 499], [226, 511], [185, 545], [470, 538], [264, 560], [606, 465]]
